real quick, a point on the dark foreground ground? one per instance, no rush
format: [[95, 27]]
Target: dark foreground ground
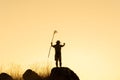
[[62, 73]]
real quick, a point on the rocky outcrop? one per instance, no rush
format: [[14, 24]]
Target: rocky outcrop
[[5, 76], [63, 73], [31, 75]]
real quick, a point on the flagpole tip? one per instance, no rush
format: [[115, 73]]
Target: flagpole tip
[[55, 31]]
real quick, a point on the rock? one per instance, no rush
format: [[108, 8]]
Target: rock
[[63, 73], [5, 76], [31, 75]]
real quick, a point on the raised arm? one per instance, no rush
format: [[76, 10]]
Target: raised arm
[[52, 44], [63, 45]]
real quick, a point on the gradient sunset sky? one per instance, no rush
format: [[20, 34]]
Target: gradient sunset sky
[[90, 29]]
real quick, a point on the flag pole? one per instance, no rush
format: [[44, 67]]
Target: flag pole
[[51, 42]]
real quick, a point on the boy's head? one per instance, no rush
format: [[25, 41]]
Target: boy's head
[[57, 42]]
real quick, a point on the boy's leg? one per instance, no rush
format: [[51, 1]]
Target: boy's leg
[[56, 59], [56, 63], [60, 62]]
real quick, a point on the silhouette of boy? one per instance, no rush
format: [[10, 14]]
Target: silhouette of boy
[[58, 52]]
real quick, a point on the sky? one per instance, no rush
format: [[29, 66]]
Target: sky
[[90, 29]]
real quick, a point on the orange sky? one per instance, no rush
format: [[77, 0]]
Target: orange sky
[[90, 29]]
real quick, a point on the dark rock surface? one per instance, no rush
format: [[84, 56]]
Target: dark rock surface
[[5, 76], [63, 73], [31, 75]]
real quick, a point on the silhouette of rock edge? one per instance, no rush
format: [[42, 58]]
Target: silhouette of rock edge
[[31, 75], [5, 76], [63, 73]]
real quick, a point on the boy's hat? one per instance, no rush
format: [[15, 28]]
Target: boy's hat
[[57, 41]]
